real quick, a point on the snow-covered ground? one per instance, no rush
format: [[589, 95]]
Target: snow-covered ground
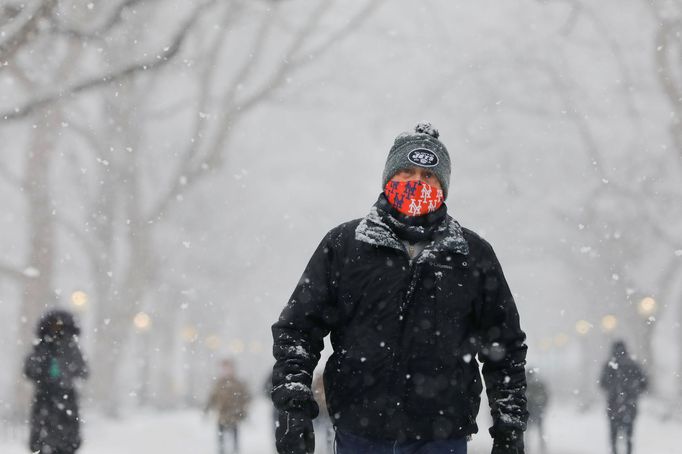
[[182, 432]]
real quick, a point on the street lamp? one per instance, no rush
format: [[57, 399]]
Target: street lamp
[[79, 300], [255, 347], [609, 323], [142, 321], [583, 327], [647, 307], [189, 334], [213, 342], [236, 346], [561, 339]]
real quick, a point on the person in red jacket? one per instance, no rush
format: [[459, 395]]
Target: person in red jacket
[[412, 302]]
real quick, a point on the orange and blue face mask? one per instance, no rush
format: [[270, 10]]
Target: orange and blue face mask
[[413, 197]]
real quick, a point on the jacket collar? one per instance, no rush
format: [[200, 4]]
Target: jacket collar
[[447, 237]]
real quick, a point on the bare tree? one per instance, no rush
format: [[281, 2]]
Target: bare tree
[[123, 214], [667, 66]]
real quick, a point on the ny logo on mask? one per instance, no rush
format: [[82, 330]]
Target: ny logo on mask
[[413, 197]]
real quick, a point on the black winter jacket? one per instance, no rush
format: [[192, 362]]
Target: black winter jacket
[[405, 335], [53, 365]]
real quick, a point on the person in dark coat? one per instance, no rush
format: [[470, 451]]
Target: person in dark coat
[[54, 365], [411, 300], [623, 381], [537, 394]]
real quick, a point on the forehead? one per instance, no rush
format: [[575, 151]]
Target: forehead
[[414, 168]]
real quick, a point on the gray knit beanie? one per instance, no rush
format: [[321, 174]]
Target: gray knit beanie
[[419, 148]]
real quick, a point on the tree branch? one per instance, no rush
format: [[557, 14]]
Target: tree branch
[[90, 246], [17, 33], [185, 173], [232, 109], [8, 176], [115, 18], [288, 61], [353, 24], [579, 121], [160, 60], [11, 272]]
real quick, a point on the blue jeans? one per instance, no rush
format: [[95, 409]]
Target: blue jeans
[[350, 444]]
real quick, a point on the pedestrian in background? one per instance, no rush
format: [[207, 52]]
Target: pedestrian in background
[[537, 394], [624, 381], [229, 398], [53, 366]]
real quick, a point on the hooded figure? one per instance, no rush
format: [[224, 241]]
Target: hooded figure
[[624, 381], [412, 302], [53, 366]]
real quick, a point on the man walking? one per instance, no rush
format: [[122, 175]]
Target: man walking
[[230, 399], [537, 394], [411, 299], [624, 381]]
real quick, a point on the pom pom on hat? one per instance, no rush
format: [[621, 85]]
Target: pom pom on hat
[[424, 127]]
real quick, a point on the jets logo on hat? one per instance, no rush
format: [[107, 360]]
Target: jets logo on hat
[[422, 157]]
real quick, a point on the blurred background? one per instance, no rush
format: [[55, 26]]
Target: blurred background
[[168, 167]]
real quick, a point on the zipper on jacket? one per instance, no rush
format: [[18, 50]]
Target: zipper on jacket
[[400, 359], [407, 299]]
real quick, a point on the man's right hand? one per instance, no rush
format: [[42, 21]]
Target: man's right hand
[[294, 433]]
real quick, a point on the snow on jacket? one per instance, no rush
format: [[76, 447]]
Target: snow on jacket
[[405, 334], [54, 365]]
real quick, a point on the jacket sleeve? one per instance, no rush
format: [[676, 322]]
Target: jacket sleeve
[[36, 365], [503, 349], [77, 366], [642, 381], [245, 395], [298, 334], [212, 400], [606, 377]]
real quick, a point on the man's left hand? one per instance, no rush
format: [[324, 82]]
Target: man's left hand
[[508, 443]]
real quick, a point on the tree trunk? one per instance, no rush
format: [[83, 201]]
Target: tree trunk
[[166, 353], [37, 287], [678, 376]]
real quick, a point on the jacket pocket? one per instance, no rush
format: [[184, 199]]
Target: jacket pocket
[[452, 287], [432, 390], [354, 377]]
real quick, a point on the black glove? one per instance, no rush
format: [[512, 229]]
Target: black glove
[[508, 443], [294, 433]]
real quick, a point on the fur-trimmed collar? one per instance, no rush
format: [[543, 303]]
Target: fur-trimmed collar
[[448, 237]]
